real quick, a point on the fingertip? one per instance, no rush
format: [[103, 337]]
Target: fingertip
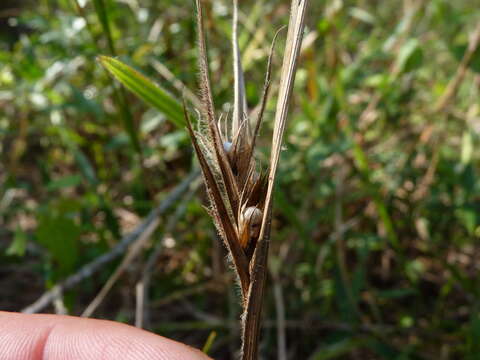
[[38, 337]]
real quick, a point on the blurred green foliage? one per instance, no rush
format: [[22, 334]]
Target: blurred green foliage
[[377, 205]]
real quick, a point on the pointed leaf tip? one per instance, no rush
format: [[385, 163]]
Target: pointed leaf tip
[[144, 88]]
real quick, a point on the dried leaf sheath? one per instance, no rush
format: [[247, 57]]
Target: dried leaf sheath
[[209, 113], [218, 211]]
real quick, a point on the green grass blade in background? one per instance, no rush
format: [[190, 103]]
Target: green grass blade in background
[[208, 344], [102, 14], [145, 89], [120, 96]]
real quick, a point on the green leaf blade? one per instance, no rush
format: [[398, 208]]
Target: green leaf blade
[[145, 89], [102, 13]]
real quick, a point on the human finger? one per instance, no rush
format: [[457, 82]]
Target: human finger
[[54, 337]]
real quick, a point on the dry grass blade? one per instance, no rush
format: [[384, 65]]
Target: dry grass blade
[[243, 152], [209, 114], [294, 42], [205, 87], [219, 212], [258, 266], [266, 89]]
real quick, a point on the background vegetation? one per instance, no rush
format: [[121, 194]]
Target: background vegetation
[[375, 254]]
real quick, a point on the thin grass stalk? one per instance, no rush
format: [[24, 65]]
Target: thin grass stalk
[[240, 102], [253, 309]]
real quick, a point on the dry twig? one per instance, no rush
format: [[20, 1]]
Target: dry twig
[[131, 254], [143, 284], [91, 268], [454, 84]]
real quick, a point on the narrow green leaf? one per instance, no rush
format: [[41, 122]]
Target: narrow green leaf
[[102, 14], [209, 342], [145, 89]]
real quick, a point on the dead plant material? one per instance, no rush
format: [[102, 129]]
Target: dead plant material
[[239, 191]]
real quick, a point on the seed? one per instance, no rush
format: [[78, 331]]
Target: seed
[[250, 225]]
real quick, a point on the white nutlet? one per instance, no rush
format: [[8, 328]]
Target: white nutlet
[[250, 225]]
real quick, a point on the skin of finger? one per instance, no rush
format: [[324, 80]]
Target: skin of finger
[[53, 337]]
